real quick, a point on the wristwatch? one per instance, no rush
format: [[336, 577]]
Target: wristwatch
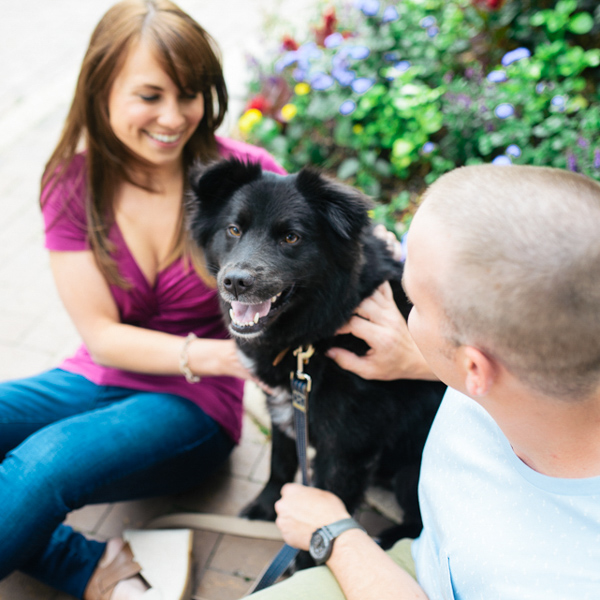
[[321, 542]]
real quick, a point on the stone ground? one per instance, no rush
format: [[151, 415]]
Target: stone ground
[[41, 46]]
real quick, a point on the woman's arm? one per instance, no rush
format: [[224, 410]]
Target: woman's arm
[[87, 298], [363, 570]]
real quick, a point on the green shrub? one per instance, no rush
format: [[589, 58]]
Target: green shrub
[[389, 97]]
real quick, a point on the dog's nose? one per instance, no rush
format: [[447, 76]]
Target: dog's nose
[[238, 282]]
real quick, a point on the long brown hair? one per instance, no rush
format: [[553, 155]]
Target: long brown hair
[[191, 59]]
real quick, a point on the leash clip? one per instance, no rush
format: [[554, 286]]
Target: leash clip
[[300, 391], [303, 357]]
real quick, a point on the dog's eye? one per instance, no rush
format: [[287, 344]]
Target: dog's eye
[[234, 231], [292, 238]]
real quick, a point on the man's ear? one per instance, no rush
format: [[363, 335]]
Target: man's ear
[[480, 371]]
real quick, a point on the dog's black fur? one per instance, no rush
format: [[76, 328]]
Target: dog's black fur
[[310, 239]]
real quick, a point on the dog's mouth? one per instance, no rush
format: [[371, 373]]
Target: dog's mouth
[[249, 319]]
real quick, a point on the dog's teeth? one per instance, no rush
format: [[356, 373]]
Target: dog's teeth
[[273, 299], [231, 314], [256, 318]]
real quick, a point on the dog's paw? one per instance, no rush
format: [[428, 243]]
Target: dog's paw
[[258, 511]]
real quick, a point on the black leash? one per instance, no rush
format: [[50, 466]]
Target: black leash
[[301, 385]]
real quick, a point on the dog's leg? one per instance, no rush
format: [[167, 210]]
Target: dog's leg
[[284, 464]]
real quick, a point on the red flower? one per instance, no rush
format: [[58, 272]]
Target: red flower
[[489, 4], [289, 43], [328, 27], [259, 103]]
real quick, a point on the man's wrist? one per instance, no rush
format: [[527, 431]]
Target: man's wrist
[[322, 540]]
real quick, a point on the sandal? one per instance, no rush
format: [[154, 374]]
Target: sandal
[[162, 558]]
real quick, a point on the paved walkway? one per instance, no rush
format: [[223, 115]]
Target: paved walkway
[[41, 46]]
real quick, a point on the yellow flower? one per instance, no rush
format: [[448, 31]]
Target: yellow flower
[[301, 89], [358, 128], [249, 119], [288, 112]]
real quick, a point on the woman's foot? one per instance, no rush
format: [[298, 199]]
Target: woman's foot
[[144, 565], [128, 589]]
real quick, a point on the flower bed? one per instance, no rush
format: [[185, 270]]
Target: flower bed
[[388, 97]]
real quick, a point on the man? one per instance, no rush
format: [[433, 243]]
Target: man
[[503, 269]]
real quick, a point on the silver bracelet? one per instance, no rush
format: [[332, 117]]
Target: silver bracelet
[[184, 360]]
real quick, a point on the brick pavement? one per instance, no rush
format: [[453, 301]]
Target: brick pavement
[[41, 46]]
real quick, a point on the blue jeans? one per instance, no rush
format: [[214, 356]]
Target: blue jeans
[[67, 442]]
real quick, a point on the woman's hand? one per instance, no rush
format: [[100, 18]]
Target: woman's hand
[[393, 354], [302, 510]]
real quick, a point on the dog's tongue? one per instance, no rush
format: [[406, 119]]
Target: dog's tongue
[[244, 313]]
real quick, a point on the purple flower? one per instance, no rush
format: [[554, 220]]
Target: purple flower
[[299, 74], [502, 160], [390, 14], [513, 150], [391, 56], [428, 148], [571, 162], [288, 59], [347, 107], [540, 87], [433, 31], [333, 40], [344, 76], [402, 66], [427, 22], [362, 84], [359, 52], [497, 76], [583, 143], [339, 60], [515, 55], [504, 110], [369, 7], [559, 103], [465, 100], [308, 51], [321, 81], [596, 159]]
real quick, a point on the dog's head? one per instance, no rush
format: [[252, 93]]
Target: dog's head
[[277, 245]]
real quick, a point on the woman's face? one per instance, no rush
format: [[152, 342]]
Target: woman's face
[[147, 111]]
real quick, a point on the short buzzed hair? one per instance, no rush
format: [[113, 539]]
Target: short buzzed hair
[[524, 282]]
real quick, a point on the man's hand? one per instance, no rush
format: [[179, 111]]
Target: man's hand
[[393, 354], [302, 510]]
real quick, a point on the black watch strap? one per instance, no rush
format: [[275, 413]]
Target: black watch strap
[[342, 525]]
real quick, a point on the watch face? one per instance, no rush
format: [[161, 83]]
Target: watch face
[[319, 546]]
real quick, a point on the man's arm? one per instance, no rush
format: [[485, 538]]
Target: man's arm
[[363, 570]]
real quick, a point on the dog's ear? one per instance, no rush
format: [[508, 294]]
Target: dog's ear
[[217, 182], [210, 186], [344, 207]]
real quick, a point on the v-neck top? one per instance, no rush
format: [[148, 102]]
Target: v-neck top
[[179, 302]]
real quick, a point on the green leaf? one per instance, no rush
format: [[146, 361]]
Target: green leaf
[[348, 168], [581, 23], [566, 7]]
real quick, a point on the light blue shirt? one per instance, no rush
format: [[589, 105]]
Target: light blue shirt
[[493, 527]]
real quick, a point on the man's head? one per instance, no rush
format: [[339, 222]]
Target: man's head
[[507, 260]]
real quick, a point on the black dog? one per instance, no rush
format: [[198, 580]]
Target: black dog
[[293, 257]]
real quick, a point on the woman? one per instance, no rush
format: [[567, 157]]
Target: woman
[[151, 402]]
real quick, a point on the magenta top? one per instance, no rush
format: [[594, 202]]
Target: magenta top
[[178, 303]]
